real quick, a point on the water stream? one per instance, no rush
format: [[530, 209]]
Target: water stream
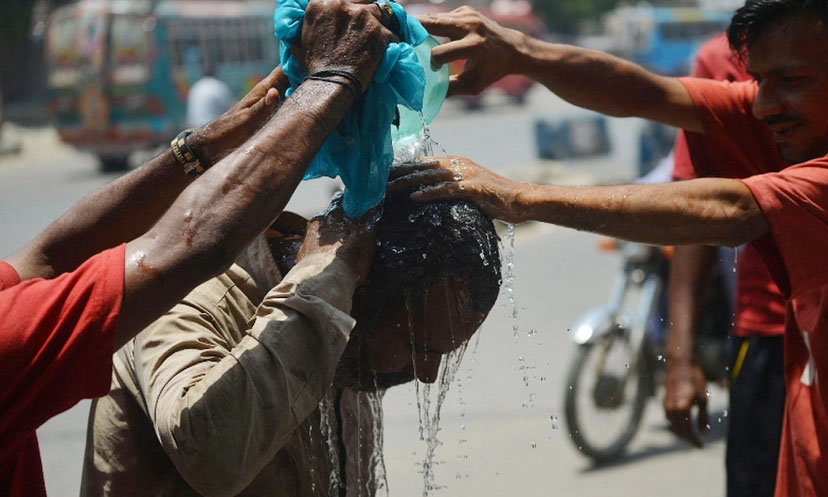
[[329, 428]]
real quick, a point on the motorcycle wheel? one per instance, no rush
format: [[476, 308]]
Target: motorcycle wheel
[[607, 388]]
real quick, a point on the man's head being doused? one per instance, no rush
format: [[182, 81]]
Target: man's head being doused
[[434, 277]]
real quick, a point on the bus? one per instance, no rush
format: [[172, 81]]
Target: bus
[[663, 39], [119, 70]]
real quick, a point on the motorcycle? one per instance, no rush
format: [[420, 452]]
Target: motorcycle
[[618, 363]]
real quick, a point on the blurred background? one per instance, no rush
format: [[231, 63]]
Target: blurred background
[[92, 88]]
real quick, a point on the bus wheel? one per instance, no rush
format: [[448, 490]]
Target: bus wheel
[[113, 163]]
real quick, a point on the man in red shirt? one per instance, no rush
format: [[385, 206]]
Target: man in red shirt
[[124, 255], [784, 215], [757, 386]]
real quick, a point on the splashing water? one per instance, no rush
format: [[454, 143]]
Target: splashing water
[[329, 433], [448, 370], [378, 475], [508, 263]]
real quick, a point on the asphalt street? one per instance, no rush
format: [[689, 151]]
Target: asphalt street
[[502, 426]]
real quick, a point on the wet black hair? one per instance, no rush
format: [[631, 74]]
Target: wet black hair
[[750, 20], [420, 245]]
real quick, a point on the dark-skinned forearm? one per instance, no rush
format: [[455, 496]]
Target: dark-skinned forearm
[[607, 84], [710, 211], [116, 213], [216, 217]]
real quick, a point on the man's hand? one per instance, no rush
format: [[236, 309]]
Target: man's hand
[[491, 51], [213, 141], [353, 240], [344, 36], [458, 177], [685, 386]]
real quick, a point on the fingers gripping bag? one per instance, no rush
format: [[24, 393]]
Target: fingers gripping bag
[[360, 150]]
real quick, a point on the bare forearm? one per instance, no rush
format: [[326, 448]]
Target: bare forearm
[[116, 213], [708, 211], [689, 277], [607, 84], [217, 216]]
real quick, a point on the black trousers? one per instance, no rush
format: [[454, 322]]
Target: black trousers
[[757, 404]]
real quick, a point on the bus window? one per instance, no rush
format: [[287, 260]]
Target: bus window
[[130, 49]]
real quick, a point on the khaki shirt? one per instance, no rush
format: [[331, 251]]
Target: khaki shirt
[[207, 400]]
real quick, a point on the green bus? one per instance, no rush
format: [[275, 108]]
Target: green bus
[[119, 70]]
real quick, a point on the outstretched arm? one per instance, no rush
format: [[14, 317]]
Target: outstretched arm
[[709, 211], [210, 223], [127, 207], [586, 78]]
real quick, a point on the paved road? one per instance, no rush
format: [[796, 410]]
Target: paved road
[[501, 433]]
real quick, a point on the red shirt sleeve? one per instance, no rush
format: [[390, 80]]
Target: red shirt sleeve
[[734, 144], [795, 204], [56, 342]]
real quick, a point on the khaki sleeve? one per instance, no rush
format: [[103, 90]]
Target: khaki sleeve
[[221, 410]]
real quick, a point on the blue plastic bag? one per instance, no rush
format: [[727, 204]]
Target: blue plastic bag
[[360, 151]]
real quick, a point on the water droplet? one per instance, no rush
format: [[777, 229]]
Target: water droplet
[[534, 445], [707, 392], [462, 187], [707, 426], [627, 366], [660, 358], [457, 177], [724, 413]]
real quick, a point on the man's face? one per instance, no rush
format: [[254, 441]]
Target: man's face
[[411, 337], [789, 60]]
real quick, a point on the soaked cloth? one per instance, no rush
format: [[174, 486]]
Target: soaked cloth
[[220, 395], [56, 342], [360, 151]]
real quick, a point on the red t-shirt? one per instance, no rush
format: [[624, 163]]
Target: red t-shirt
[[795, 204], [56, 344], [760, 307]]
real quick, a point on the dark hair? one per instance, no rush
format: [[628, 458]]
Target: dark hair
[[756, 15], [420, 245]]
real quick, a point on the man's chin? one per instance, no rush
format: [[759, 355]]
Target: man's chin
[[792, 154], [369, 381]]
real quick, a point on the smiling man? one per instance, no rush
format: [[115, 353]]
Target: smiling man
[[784, 214]]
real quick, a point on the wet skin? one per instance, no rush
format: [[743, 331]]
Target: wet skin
[[788, 60]]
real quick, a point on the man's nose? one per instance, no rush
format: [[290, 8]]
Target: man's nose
[[427, 367], [768, 102]]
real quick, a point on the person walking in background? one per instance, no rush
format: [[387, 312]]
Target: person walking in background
[[208, 98]]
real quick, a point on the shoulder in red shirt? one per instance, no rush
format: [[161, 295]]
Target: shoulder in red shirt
[[56, 345], [795, 204], [735, 145]]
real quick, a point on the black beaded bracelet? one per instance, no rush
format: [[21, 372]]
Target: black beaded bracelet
[[353, 83], [185, 156]]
